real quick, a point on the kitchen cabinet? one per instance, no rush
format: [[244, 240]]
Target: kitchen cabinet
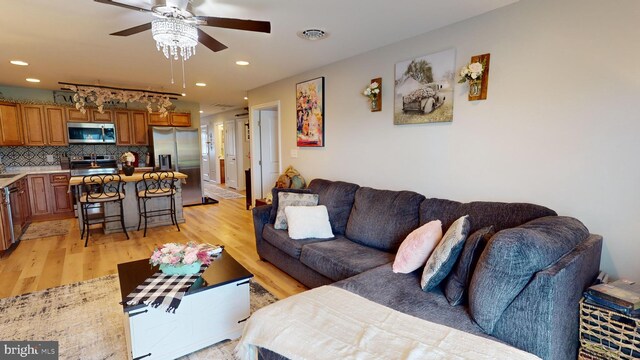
[[23, 199], [49, 197], [106, 116], [76, 115], [56, 126], [33, 121], [131, 128], [173, 119], [10, 124], [44, 125]]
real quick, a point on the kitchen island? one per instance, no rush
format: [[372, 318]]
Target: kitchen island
[[130, 204]]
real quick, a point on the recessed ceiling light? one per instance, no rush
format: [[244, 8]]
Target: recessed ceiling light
[[313, 34], [201, 111], [242, 63], [33, 80], [19, 62], [183, 94], [246, 98], [201, 84]]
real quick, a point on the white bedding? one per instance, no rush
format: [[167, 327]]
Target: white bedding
[[332, 323]]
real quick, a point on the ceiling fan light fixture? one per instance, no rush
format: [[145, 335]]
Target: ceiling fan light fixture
[[313, 34], [175, 37]]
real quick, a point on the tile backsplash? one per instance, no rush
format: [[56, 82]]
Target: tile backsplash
[[37, 155]]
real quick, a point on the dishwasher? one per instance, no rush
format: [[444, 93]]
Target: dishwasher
[[10, 207]]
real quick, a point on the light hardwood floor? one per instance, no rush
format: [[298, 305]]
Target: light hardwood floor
[[58, 260]]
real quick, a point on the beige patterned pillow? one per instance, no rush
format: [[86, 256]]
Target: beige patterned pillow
[[292, 199]]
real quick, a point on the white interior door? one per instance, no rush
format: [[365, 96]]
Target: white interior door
[[204, 149], [269, 160], [213, 156], [230, 155]]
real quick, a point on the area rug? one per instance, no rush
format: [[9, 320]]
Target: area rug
[[86, 319], [45, 229], [214, 191]]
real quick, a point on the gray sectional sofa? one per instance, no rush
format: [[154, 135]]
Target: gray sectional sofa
[[524, 290]]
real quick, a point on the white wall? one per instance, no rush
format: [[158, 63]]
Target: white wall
[[560, 126]]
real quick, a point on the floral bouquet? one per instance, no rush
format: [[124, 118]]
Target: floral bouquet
[[127, 157], [181, 259], [372, 91], [471, 72]]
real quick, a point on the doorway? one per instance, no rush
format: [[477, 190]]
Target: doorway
[[230, 154], [204, 149], [266, 149]]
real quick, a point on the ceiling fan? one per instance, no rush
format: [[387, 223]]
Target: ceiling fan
[[179, 13]]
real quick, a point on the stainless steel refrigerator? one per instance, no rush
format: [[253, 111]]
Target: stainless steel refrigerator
[[183, 145]]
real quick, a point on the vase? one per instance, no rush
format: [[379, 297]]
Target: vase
[[128, 169], [474, 87], [374, 104], [182, 269]]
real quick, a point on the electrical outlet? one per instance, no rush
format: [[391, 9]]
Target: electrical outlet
[[50, 158], [294, 153]]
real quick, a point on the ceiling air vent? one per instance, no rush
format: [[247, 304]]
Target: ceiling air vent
[[312, 34]]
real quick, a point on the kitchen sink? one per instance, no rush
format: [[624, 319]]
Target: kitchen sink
[[7, 176]]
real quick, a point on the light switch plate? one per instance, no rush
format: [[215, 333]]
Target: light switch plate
[[294, 153]]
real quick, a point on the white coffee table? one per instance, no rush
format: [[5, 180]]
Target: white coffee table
[[214, 309]]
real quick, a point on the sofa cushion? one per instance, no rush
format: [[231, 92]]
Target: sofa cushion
[[307, 222], [457, 284], [512, 258], [286, 199], [481, 213], [338, 197], [445, 255], [341, 258], [416, 248], [274, 204], [281, 240], [402, 292], [383, 218]]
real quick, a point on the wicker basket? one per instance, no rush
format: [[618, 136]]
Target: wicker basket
[[607, 334]]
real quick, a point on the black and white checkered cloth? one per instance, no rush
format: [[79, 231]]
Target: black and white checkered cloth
[[163, 291]]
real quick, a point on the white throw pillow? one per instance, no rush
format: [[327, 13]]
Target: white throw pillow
[[306, 222]]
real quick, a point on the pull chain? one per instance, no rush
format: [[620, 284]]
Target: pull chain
[[184, 82], [171, 62]]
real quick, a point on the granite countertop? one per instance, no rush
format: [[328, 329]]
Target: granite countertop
[[13, 174]]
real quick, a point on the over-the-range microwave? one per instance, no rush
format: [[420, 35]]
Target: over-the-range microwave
[[91, 133]]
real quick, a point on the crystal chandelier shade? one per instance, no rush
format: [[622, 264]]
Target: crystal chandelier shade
[[175, 37]]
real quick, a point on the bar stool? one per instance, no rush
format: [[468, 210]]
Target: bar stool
[[95, 192], [154, 185]]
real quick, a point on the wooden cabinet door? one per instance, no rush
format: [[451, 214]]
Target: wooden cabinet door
[[180, 119], [105, 117], [38, 188], [156, 120], [76, 115], [23, 198], [139, 128], [123, 128], [10, 125], [56, 126], [61, 199], [33, 121]]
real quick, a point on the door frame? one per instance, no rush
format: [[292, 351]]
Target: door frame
[[254, 146]]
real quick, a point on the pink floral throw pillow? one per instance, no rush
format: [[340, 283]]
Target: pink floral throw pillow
[[416, 248]]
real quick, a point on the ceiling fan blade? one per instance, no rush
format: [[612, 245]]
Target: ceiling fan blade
[[210, 42], [130, 7], [238, 24], [133, 30]]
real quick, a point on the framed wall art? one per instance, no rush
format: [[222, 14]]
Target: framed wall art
[[424, 89], [310, 113]]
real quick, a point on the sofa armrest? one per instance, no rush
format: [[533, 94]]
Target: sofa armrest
[[260, 219], [544, 318]]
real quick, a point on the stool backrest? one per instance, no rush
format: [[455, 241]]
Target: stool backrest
[[103, 186], [157, 183]]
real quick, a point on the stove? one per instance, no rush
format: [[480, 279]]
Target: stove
[[93, 164]]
